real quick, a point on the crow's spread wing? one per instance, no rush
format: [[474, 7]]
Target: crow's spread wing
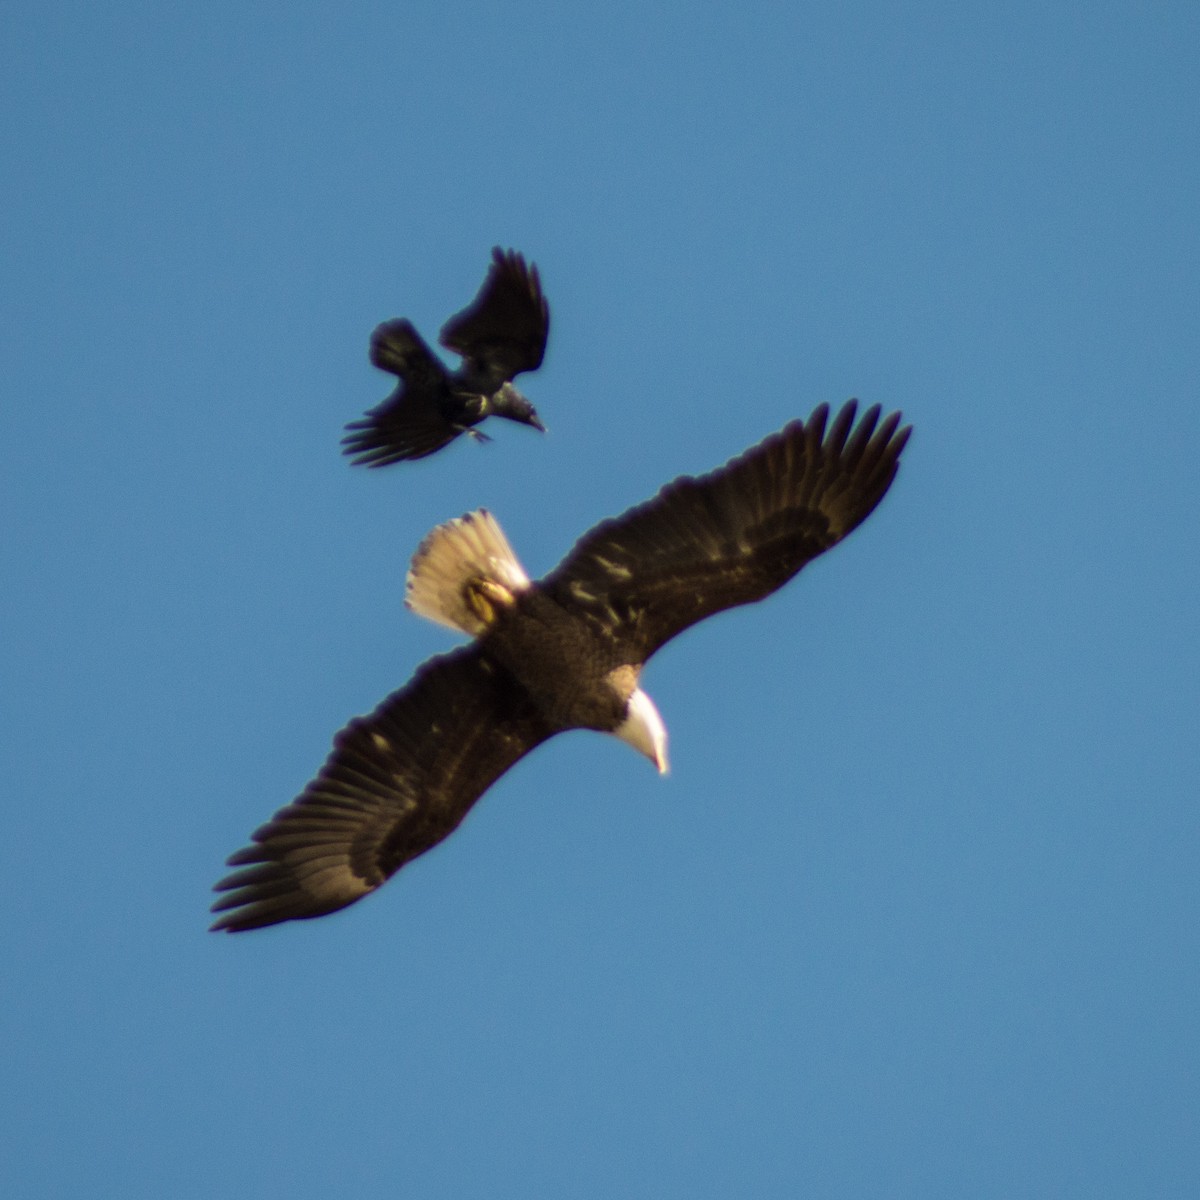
[[503, 331], [733, 536], [396, 346], [396, 783], [410, 423]]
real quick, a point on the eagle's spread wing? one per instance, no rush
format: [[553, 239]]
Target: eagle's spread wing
[[410, 422], [503, 331], [396, 783], [733, 536]]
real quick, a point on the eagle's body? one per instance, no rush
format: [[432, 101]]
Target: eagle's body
[[500, 334], [560, 661], [563, 653]]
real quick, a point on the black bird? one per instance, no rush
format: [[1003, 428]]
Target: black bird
[[500, 334], [564, 653]]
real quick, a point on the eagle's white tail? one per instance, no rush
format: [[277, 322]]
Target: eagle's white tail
[[463, 572]]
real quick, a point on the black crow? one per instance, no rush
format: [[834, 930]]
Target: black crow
[[502, 333], [564, 653]]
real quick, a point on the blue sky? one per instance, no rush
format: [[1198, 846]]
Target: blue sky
[[916, 911]]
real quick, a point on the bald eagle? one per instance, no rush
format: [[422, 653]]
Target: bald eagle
[[564, 653], [500, 334]]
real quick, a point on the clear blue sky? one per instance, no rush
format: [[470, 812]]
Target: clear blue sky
[[917, 912]]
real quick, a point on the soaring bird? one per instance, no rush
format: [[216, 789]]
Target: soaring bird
[[564, 653], [500, 334]]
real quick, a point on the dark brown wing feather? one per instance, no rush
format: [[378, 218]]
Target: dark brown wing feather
[[406, 427], [396, 346], [733, 536], [397, 782], [410, 422], [503, 331]]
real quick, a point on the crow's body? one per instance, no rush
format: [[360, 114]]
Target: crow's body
[[563, 653], [502, 333]]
